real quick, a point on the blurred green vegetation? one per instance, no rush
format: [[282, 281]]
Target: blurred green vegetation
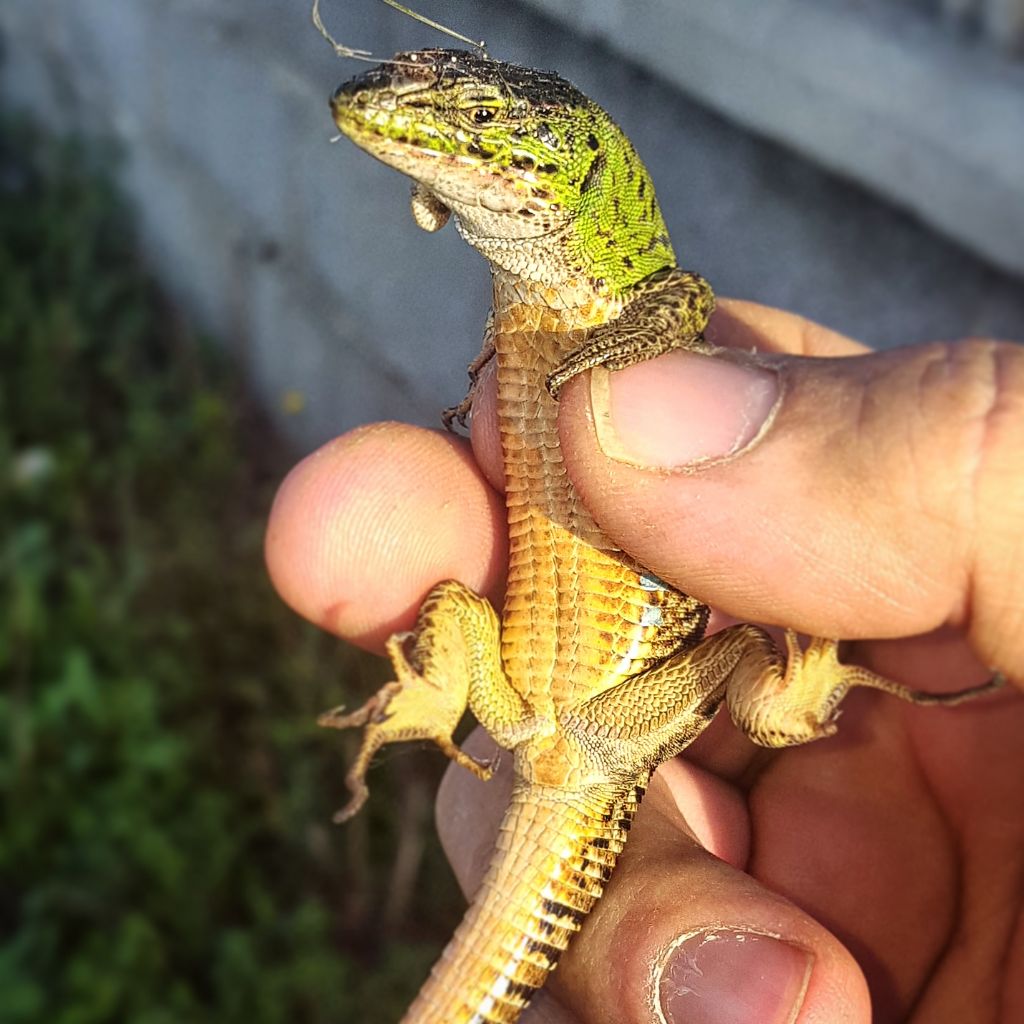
[[166, 852]]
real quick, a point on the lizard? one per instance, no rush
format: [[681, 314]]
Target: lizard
[[596, 671]]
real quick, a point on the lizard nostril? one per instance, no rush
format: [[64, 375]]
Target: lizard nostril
[[341, 96], [350, 98]]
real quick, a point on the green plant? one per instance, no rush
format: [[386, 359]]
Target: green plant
[[166, 853]]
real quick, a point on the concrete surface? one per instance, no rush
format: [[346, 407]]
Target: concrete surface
[[888, 94], [303, 257]]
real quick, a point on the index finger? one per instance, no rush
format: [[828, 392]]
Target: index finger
[[365, 526]]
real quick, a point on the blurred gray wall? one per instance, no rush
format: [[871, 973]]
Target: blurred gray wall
[[303, 257]]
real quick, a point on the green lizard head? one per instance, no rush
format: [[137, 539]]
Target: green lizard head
[[540, 179]]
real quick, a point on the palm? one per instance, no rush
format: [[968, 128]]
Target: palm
[[901, 834], [886, 509]]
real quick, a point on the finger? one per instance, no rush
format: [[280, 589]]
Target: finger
[[880, 495], [735, 325], [362, 528], [677, 928], [749, 325], [484, 431]]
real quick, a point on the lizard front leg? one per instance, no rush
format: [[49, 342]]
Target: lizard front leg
[[667, 310], [450, 661], [459, 413]]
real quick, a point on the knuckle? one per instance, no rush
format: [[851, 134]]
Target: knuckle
[[991, 373], [989, 376]]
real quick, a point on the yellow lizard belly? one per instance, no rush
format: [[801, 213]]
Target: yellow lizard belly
[[579, 616]]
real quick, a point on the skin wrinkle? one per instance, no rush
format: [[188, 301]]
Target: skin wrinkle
[[1003, 359], [921, 580], [916, 455], [895, 732], [870, 409], [975, 370], [958, 858], [973, 465], [838, 439], [976, 859], [864, 408], [961, 936], [867, 413], [813, 555], [1016, 940], [1003, 969], [948, 367]]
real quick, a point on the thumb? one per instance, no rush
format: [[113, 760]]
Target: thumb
[[862, 495]]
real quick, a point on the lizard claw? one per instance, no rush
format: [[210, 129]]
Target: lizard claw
[[457, 414], [374, 710], [372, 715], [483, 768], [333, 719]]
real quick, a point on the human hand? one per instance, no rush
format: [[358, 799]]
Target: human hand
[[886, 500]]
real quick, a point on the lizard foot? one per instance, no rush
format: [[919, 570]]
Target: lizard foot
[[448, 663], [374, 716], [457, 414], [357, 787], [460, 413], [780, 706], [372, 711]]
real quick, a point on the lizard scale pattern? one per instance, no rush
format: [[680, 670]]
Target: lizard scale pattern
[[597, 671]]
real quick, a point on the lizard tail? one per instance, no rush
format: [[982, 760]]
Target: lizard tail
[[555, 852]]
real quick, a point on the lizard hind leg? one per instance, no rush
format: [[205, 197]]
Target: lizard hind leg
[[780, 705], [450, 661], [409, 708], [776, 701]]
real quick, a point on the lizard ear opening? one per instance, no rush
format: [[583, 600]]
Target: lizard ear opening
[[427, 210]]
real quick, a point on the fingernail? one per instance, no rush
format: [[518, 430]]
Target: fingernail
[[682, 409], [731, 977]]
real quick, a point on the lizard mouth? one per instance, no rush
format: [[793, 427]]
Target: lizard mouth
[[397, 113], [400, 106], [364, 115], [405, 135], [393, 102]]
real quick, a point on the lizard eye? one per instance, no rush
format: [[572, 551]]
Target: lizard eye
[[482, 115]]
